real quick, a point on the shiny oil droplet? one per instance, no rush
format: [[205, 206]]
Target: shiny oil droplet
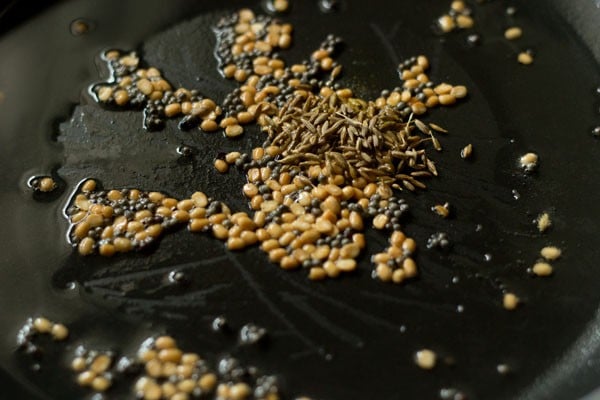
[[220, 324], [328, 6]]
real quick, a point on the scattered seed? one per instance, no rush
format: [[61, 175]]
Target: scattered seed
[[551, 253], [425, 359], [513, 33], [510, 301], [542, 269], [525, 58]]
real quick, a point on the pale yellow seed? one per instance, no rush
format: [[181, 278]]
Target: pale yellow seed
[[59, 332], [78, 364], [510, 301], [346, 264], [425, 359], [207, 382], [100, 384], [221, 165], [86, 378], [42, 325], [551, 253], [446, 23], [525, 58], [464, 21], [542, 269], [317, 274], [513, 33], [234, 130]]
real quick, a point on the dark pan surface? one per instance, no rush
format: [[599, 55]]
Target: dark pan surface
[[353, 338]]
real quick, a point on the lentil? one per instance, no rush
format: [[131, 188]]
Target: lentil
[[551, 253], [513, 33], [510, 301], [542, 269], [525, 58], [425, 359]]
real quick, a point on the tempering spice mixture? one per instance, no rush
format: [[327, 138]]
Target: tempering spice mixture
[[331, 166]]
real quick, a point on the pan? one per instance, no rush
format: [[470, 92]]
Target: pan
[[352, 337]]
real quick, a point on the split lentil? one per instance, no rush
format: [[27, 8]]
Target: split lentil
[[513, 33], [525, 58], [510, 301], [551, 253], [426, 359], [542, 269]]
